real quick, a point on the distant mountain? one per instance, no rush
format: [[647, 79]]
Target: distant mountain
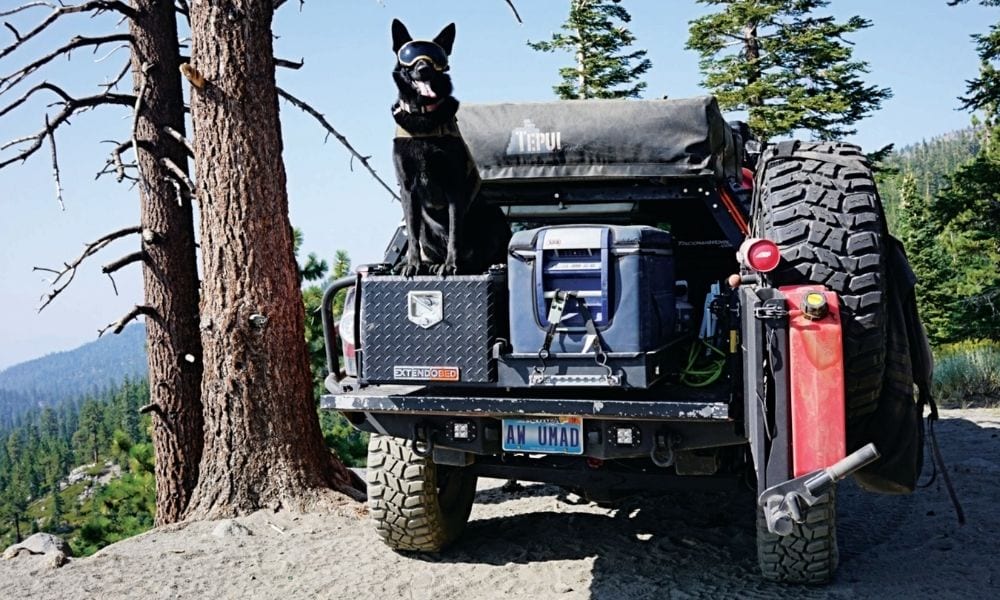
[[61, 376], [930, 162]]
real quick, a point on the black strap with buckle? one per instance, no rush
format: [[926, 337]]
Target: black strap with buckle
[[555, 316]]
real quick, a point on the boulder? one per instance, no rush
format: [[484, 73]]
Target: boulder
[[231, 528], [42, 544]]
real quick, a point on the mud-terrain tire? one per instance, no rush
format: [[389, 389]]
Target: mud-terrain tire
[[415, 504], [808, 555], [818, 202]]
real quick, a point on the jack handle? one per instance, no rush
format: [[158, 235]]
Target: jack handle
[[786, 503]]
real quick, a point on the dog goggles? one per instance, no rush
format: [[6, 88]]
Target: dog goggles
[[413, 51]]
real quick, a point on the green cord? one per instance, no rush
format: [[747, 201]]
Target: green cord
[[706, 375]]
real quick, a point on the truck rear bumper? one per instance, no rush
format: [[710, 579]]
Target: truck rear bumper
[[673, 420], [419, 400]]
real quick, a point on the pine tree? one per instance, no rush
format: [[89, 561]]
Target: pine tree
[[89, 436], [919, 230], [263, 444], [58, 505], [983, 91], [788, 68], [970, 212], [596, 35], [14, 503], [968, 209]]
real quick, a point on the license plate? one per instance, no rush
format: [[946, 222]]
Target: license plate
[[544, 435]]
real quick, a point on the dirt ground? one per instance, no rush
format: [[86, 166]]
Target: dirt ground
[[539, 542]]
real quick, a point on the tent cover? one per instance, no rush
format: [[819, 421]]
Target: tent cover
[[584, 139]]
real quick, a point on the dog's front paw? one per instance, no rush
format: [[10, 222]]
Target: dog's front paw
[[445, 269]]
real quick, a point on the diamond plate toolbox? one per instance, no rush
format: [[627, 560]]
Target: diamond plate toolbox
[[430, 329]]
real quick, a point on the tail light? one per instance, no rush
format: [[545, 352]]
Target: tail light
[[348, 336], [761, 255]]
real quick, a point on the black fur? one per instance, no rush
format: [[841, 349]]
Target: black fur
[[448, 231]]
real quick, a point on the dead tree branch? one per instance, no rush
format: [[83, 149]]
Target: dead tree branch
[[107, 55], [146, 66], [178, 175], [17, 34], [76, 42], [41, 86], [513, 9], [115, 163], [55, 165], [308, 109], [70, 106], [289, 64], [183, 141], [279, 3], [69, 269], [126, 260], [135, 313], [152, 407], [113, 266], [24, 7], [118, 78], [93, 6]]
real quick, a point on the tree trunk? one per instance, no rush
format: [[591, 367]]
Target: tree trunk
[[751, 50], [170, 271], [263, 445]]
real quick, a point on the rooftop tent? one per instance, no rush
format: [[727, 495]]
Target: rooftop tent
[[586, 139]]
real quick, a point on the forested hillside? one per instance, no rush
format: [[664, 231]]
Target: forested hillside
[[940, 201], [89, 369], [930, 163], [103, 431]]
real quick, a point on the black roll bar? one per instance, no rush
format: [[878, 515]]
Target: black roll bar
[[330, 337]]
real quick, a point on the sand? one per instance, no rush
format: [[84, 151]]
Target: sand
[[543, 543]]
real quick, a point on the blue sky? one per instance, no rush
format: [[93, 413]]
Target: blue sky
[[919, 48]]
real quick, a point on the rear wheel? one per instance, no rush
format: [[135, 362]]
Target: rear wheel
[[819, 204], [808, 554], [415, 504]]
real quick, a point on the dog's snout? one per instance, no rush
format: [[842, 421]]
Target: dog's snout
[[424, 70]]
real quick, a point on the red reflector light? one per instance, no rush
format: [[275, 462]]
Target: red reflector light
[[760, 254]]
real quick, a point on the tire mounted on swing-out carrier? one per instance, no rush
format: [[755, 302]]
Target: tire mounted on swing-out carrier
[[819, 203]]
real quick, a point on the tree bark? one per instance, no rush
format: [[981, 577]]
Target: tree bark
[[263, 446], [170, 272], [751, 49]]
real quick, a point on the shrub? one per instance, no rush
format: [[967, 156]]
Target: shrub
[[967, 374]]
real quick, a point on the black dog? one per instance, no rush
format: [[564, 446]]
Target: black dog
[[448, 230]]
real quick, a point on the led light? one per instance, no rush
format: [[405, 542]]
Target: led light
[[623, 436], [460, 431]]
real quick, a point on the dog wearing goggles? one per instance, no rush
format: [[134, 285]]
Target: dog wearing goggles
[[448, 230]]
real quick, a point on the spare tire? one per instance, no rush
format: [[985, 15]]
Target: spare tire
[[819, 203], [807, 555]]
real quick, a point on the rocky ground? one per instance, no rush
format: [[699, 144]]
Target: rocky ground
[[540, 542]]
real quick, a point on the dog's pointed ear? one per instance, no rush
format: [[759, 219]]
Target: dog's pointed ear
[[399, 35], [446, 39]]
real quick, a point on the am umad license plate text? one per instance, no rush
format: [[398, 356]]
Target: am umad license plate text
[[544, 435]]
